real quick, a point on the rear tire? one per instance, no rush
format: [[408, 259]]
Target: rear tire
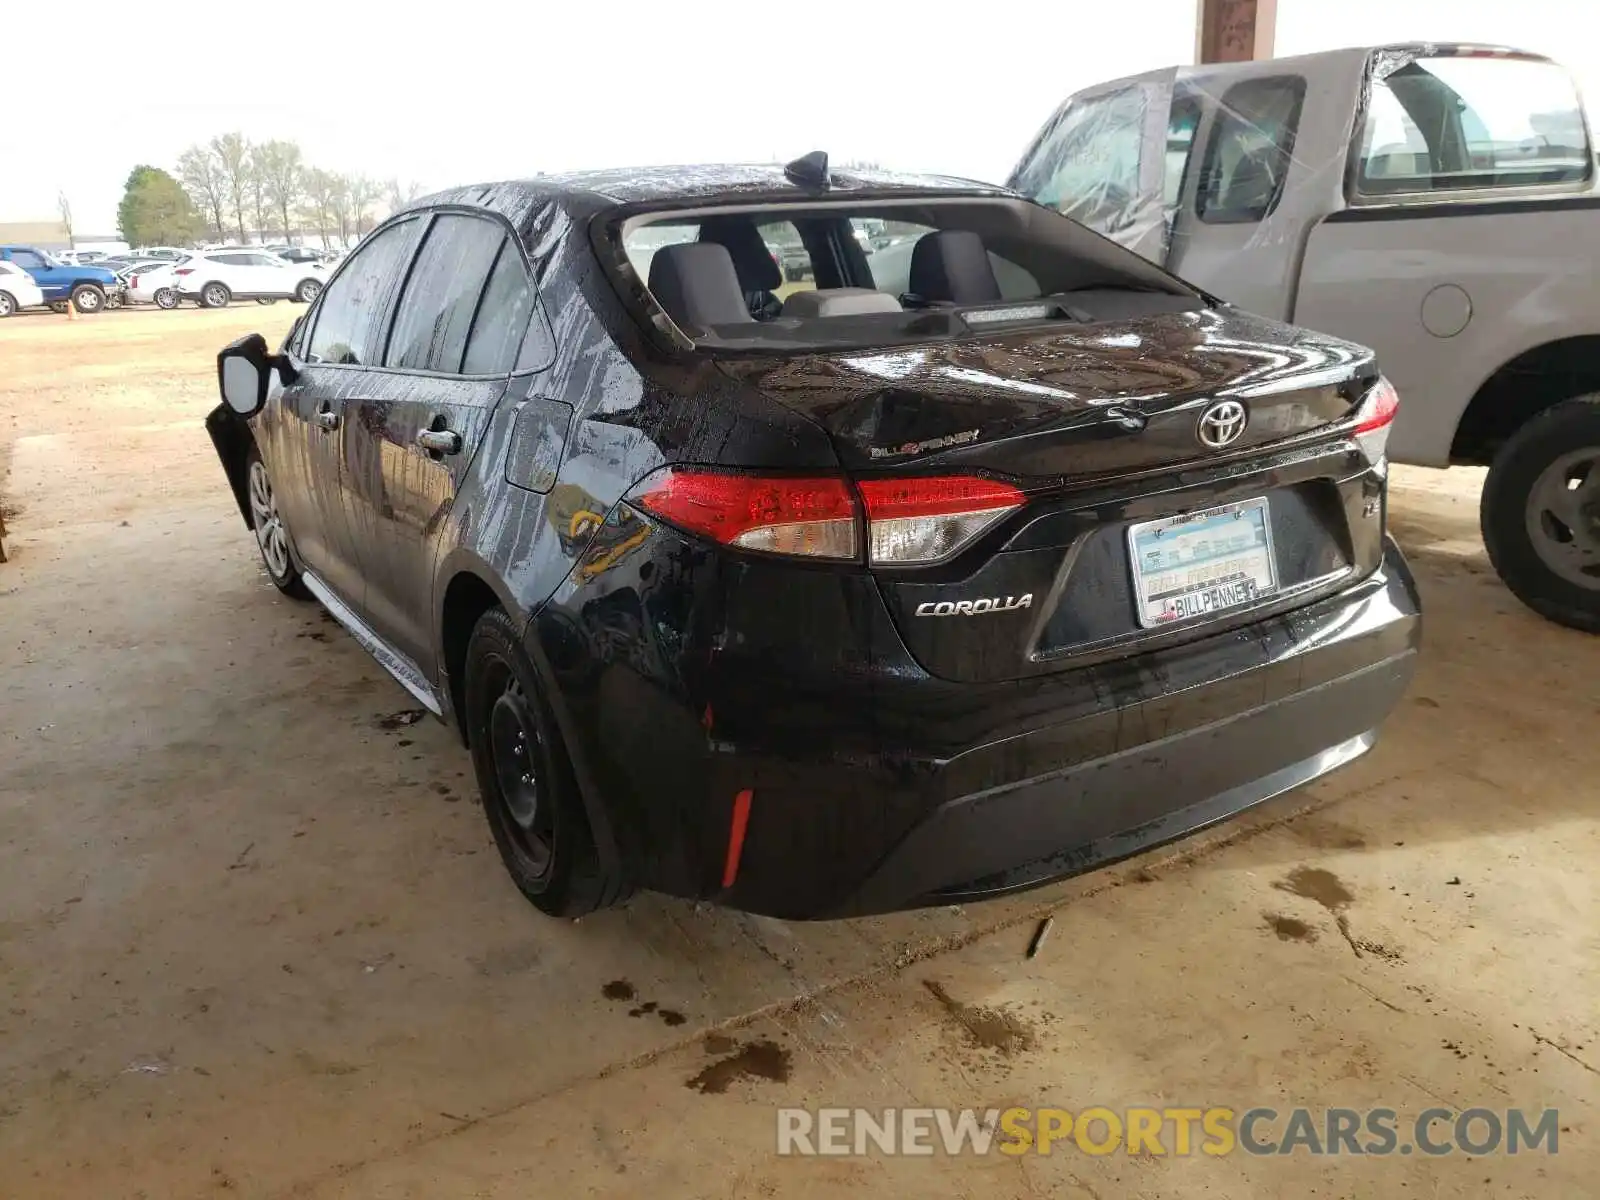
[[1540, 513], [88, 298], [215, 295], [525, 779], [166, 298], [8, 305], [272, 535], [266, 299], [307, 290]]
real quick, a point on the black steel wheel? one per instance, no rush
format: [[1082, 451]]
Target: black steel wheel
[[530, 796]]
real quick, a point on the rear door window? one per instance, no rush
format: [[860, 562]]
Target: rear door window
[[1463, 122], [502, 316], [350, 315], [441, 294], [1250, 150]]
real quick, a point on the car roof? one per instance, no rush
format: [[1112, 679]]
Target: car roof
[[528, 203]]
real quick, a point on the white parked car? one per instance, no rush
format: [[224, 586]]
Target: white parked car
[[153, 283], [17, 290], [214, 277]]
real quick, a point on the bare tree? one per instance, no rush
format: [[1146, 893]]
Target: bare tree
[[401, 194], [64, 207], [233, 157], [322, 189], [342, 211], [283, 177], [364, 193], [259, 206], [201, 175]]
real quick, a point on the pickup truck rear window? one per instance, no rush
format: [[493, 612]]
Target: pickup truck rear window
[[1464, 123]]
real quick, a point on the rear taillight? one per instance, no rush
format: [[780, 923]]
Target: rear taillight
[[1374, 418], [908, 521], [813, 517], [184, 271], [926, 519]]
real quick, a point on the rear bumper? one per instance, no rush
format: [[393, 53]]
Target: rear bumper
[[895, 790]]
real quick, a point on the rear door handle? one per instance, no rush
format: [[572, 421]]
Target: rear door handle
[[440, 441]]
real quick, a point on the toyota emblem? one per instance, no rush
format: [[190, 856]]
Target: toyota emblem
[[1222, 424]]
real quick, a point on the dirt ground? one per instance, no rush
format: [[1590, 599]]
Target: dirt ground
[[254, 939]]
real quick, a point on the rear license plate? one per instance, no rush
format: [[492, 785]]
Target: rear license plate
[[1200, 563]]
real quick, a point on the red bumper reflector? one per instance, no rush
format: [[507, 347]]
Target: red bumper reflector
[[736, 828]]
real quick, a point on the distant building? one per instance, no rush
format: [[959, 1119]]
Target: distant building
[[52, 236], [46, 235]]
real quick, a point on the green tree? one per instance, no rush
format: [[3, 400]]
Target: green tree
[[155, 210]]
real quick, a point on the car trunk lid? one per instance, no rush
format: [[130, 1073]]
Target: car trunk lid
[[1099, 428]]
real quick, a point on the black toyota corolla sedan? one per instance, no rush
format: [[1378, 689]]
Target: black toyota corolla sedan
[[975, 554]]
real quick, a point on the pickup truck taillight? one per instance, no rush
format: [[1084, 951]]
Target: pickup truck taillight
[[1374, 418]]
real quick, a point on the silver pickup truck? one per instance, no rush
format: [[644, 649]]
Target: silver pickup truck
[[1436, 202]]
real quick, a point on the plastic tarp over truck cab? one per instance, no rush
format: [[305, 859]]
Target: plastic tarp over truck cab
[[1099, 159]]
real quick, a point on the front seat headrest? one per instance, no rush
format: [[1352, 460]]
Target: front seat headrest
[[951, 265], [696, 283], [752, 261]]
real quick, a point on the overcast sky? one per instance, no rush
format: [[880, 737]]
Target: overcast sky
[[484, 89]]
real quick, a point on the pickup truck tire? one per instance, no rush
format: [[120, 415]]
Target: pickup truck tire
[[272, 535], [88, 298], [215, 295], [525, 778], [1540, 513], [8, 305]]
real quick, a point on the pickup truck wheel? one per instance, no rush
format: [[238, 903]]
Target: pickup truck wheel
[[307, 291], [87, 298], [8, 304], [525, 778], [59, 306], [272, 535], [215, 295], [1540, 513]]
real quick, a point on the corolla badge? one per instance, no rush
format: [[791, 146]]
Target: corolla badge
[[974, 608], [1222, 424]]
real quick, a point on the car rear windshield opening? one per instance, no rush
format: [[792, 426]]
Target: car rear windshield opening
[[875, 273]]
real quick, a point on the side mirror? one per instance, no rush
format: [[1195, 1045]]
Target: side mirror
[[242, 368]]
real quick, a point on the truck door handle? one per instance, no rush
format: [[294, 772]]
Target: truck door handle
[[440, 441], [328, 419]]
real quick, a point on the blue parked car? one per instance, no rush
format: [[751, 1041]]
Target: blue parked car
[[90, 289]]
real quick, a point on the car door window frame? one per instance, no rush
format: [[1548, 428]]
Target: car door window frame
[[307, 330], [536, 309]]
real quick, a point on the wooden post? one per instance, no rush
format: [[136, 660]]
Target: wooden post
[[1234, 30]]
